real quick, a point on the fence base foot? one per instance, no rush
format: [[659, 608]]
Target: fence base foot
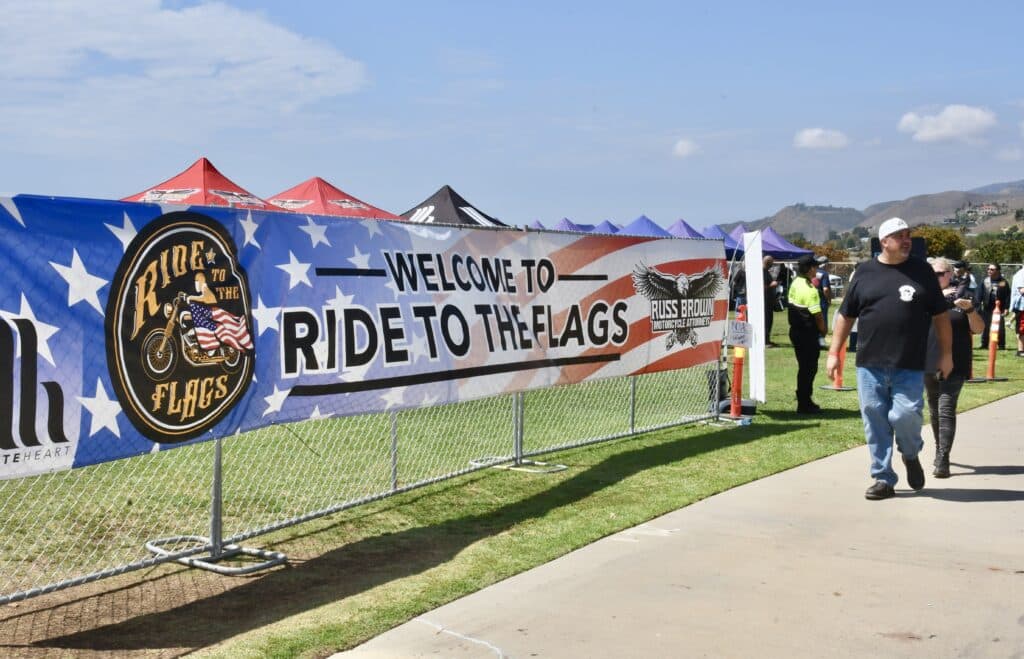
[[830, 387], [509, 464], [533, 467], [268, 559], [975, 380], [996, 379]]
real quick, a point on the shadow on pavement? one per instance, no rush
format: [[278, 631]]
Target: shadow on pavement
[[971, 495], [994, 470]]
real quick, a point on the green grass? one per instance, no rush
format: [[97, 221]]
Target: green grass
[[371, 568]]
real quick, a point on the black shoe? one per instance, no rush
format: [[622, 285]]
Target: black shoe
[[808, 408], [941, 471], [915, 474], [879, 490]]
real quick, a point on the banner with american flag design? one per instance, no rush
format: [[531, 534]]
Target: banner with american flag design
[[133, 327]]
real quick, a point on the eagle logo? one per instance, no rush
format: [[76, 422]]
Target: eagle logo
[[657, 286]]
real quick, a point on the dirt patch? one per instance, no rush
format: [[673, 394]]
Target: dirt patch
[[171, 610]]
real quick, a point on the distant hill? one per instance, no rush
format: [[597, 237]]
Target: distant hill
[[815, 222], [923, 209], [1011, 188]]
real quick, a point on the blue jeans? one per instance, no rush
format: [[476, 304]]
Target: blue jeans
[[891, 404]]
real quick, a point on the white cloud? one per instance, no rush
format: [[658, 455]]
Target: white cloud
[[820, 138], [1010, 154], [74, 71], [685, 148], [955, 122]]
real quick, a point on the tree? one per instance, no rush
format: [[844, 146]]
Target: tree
[[1018, 214], [940, 241], [799, 240], [999, 251], [833, 253]]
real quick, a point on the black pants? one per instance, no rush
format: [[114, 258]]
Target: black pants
[[807, 351], [942, 399], [769, 320]]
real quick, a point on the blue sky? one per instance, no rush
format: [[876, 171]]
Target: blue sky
[[533, 111]]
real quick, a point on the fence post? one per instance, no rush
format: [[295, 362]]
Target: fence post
[[216, 503], [394, 451], [632, 404], [517, 428]]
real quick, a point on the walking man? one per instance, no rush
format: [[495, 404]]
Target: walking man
[[894, 298]]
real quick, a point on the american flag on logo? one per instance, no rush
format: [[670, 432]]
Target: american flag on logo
[[215, 326]]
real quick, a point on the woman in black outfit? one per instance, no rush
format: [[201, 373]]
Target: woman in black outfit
[[943, 394]]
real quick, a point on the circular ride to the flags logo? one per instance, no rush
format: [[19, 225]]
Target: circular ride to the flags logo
[[177, 328]]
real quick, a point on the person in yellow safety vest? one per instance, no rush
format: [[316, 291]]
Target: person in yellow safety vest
[[806, 324]]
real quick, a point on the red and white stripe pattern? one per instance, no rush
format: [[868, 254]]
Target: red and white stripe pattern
[[614, 257]]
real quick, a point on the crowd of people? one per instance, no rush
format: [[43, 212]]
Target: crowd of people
[[910, 322]]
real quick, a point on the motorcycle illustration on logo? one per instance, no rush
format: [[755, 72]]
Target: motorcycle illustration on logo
[[161, 348], [180, 351]]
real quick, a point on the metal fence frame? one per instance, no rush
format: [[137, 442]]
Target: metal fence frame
[[524, 421]]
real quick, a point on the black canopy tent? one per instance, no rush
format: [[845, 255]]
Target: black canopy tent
[[446, 206]]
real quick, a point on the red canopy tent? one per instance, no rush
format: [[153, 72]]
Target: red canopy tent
[[201, 185], [318, 197]]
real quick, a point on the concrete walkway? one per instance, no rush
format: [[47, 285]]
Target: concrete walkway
[[797, 564]]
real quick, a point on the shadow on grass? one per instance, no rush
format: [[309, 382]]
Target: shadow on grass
[[367, 563], [825, 415]]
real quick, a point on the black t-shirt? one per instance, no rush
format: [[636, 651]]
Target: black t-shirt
[[894, 305], [962, 345], [769, 293], [739, 282]]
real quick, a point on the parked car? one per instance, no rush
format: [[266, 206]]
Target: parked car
[[835, 282]]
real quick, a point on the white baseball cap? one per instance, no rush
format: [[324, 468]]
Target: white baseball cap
[[891, 226]]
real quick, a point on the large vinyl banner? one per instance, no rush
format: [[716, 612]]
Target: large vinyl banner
[[128, 328]]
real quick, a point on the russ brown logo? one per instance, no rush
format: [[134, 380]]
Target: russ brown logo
[[681, 303], [179, 349]]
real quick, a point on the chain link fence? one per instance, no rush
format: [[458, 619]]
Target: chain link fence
[[73, 527]]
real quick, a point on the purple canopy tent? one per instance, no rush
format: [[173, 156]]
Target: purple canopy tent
[[737, 233], [680, 229], [772, 244], [645, 226], [778, 247], [731, 246], [565, 224], [606, 227]]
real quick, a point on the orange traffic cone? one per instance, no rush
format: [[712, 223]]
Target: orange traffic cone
[[993, 344]]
